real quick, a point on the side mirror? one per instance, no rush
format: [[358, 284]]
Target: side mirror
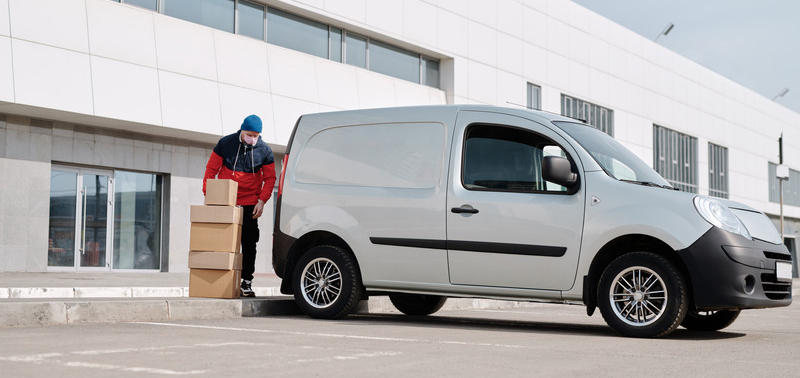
[[559, 171]]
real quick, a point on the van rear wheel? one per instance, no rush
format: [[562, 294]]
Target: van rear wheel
[[709, 321], [417, 304], [326, 283], [642, 294]]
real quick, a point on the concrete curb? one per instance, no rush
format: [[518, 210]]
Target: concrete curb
[[26, 313], [34, 312], [111, 292]]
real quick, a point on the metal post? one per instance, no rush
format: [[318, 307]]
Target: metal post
[[780, 188]]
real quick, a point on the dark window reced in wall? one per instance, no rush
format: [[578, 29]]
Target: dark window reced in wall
[[675, 158], [717, 171], [217, 14], [595, 115]]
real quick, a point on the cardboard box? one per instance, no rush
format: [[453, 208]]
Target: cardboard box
[[216, 214], [208, 283], [215, 237], [215, 260], [221, 192]]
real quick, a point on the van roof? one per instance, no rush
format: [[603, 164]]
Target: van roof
[[427, 112]]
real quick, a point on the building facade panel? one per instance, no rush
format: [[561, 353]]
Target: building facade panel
[[6, 71], [125, 91], [51, 77], [122, 33], [35, 21], [241, 61], [185, 48], [190, 103]]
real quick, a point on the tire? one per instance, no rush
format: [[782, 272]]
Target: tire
[[326, 283], [709, 321], [417, 304], [642, 294]]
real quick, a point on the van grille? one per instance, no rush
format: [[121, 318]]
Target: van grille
[[775, 290], [777, 256]]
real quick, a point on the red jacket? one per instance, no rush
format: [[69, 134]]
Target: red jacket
[[253, 167]]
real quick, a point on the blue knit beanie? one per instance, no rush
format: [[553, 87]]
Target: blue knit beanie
[[252, 123]]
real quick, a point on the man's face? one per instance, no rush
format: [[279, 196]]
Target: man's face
[[250, 137]]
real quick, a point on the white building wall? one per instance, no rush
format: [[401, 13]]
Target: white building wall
[[113, 66]]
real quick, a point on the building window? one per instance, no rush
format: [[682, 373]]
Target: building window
[[137, 220], [675, 158], [356, 50], [534, 97], [250, 20], [104, 219], [717, 171], [394, 61], [217, 14], [297, 33], [336, 44], [597, 116], [791, 187], [148, 4], [430, 72]]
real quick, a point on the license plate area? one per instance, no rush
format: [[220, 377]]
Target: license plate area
[[783, 271]]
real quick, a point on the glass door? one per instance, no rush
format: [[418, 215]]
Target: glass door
[[80, 224]]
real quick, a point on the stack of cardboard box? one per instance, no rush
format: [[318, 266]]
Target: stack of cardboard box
[[215, 259]]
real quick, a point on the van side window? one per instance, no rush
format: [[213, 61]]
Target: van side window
[[503, 158]]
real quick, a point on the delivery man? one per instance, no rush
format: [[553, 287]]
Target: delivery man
[[246, 159]]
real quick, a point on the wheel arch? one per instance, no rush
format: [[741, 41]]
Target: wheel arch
[[302, 245], [623, 245]]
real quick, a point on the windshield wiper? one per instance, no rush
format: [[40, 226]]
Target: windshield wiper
[[648, 183]]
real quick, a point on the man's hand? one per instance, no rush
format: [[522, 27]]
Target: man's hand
[[258, 210]]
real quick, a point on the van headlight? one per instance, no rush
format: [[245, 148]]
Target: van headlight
[[719, 215]]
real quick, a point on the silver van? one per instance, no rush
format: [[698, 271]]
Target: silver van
[[425, 203]]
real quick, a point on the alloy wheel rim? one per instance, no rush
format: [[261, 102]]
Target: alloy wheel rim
[[321, 282], [638, 296]]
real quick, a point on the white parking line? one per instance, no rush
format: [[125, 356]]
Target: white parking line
[[333, 335], [65, 359]]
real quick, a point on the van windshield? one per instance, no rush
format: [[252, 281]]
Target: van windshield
[[619, 162]]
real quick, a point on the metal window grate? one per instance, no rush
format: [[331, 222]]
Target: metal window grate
[[534, 97], [675, 158], [595, 115], [717, 171]]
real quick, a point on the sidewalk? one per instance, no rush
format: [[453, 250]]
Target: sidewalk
[[35, 299]]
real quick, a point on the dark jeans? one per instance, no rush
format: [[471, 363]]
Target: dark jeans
[[249, 240]]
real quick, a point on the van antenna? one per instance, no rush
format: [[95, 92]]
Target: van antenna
[[546, 111]]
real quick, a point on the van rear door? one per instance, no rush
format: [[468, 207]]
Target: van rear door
[[506, 226]]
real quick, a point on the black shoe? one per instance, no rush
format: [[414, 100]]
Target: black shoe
[[246, 290]]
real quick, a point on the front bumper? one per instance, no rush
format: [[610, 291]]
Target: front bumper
[[728, 271]]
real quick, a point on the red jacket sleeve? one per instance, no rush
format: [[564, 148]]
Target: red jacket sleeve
[[212, 168], [268, 174]]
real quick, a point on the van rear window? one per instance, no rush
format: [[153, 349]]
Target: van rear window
[[396, 155]]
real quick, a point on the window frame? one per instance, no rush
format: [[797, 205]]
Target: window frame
[[564, 191]]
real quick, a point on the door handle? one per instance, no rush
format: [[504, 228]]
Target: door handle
[[464, 209]]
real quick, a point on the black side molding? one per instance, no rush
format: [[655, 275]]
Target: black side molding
[[470, 246]]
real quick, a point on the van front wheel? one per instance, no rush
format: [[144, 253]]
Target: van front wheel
[[642, 294], [326, 283]]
